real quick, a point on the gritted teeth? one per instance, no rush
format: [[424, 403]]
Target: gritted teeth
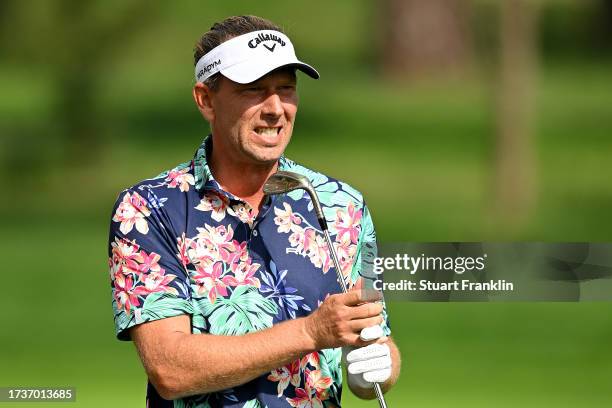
[[268, 131]]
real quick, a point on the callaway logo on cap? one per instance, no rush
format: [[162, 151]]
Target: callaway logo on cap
[[250, 56]]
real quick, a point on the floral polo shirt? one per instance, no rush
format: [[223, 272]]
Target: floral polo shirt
[[179, 244]]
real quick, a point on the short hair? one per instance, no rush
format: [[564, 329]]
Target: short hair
[[227, 29]]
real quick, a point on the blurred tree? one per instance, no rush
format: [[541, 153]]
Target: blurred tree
[[607, 24], [577, 29], [515, 172], [425, 37], [70, 42]]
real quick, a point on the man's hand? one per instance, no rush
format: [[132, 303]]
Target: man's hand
[[340, 320]]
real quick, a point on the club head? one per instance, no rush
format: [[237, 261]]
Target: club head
[[286, 181]]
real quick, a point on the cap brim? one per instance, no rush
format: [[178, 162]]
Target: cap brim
[[248, 72]]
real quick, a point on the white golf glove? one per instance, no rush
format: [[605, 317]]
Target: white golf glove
[[370, 364]]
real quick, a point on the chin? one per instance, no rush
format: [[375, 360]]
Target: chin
[[267, 158], [267, 153]]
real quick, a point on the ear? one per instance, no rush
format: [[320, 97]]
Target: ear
[[203, 99]]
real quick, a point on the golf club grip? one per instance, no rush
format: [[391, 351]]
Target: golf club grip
[[377, 389], [322, 223]]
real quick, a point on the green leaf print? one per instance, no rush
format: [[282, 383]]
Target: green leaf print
[[122, 320], [159, 305], [254, 403], [190, 403], [243, 312], [330, 364]]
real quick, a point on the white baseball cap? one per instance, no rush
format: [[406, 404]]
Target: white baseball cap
[[250, 56]]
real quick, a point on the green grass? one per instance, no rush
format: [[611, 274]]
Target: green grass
[[422, 155], [59, 331]]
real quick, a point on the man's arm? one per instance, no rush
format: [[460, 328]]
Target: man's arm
[[368, 393], [180, 363]]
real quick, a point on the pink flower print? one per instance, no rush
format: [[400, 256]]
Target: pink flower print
[[311, 358], [212, 244], [124, 248], [184, 244], [209, 280], [215, 202], [221, 235], [282, 376], [112, 268], [297, 238], [294, 369], [243, 274], [204, 252], [305, 399], [235, 253], [285, 219], [346, 254], [124, 255], [310, 237], [217, 236], [326, 261], [132, 212], [244, 212], [181, 178], [317, 251], [124, 293], [347, 224], [241, 251], [155, 282], [317, 382], [148, 262]]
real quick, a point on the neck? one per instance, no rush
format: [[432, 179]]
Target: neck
[[244, 180]]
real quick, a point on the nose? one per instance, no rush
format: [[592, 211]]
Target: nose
[[272, 107]]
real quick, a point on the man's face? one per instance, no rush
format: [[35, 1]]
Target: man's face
[[253, 122]]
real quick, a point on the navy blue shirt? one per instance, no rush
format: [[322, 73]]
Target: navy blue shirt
[[179, 244]]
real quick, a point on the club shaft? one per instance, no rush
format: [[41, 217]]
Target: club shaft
[[380, 396], [332, 253]]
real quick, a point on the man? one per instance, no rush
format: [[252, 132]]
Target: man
[[226, 293]]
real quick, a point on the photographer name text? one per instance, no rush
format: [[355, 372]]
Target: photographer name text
[[500, 285]]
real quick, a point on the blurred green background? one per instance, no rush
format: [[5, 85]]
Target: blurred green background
[[458, 120]]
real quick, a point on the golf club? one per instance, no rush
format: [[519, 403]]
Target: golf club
[[285, 181]]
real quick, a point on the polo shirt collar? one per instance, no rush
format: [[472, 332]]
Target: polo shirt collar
[[202, 174]]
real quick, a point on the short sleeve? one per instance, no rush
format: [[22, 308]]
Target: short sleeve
[[367, 250], [148, 280]]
